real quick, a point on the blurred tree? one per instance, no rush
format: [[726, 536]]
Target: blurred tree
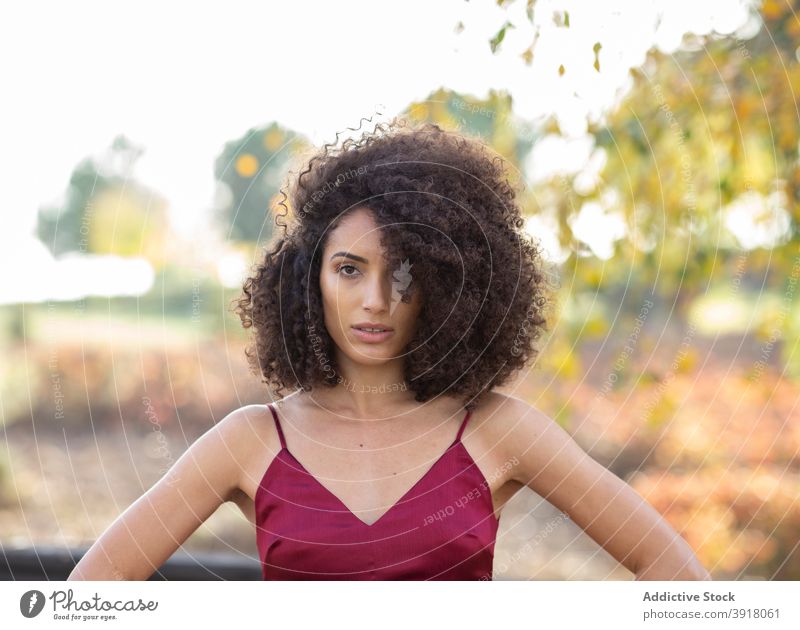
[[105, 211], [700, 163], [490, 119], [249, 174], [707, 138]]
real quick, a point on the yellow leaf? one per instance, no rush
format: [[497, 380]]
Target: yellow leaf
[[246, 165], [772, 9], [273, 139], [418, 111]]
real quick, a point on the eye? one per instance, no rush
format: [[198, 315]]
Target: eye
[[354, 272]]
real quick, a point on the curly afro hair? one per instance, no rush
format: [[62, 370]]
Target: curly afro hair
[[444, 202]]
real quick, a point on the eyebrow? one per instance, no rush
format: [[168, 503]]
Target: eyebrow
[[352, 256]]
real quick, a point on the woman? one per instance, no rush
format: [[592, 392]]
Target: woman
[[403, 292]]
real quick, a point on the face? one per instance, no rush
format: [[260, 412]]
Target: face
[[358, 289]]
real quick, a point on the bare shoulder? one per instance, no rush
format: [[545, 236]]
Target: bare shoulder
[[242, 436], [241, 425], [507, 419], [511, 425], [546, 458], [252, 432]]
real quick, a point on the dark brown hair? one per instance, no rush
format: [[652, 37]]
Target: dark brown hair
[[445, 204]]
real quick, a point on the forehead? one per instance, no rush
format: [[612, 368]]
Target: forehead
[[357, 232]]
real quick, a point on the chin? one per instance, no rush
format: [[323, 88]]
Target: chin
[[371, 354], [372, 358]]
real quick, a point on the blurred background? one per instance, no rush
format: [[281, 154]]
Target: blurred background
[[658, 142]]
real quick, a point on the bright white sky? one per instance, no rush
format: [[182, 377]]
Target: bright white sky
[[182, 79]]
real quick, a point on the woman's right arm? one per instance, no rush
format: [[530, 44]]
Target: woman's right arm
[[143, 537]]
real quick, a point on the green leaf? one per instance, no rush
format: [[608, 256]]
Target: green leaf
[[529, 9], [498, 38]]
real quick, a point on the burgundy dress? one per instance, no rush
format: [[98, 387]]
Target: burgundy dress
[[442, 528]]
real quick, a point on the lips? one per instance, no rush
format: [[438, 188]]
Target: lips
[[372, 327], [370, 332]]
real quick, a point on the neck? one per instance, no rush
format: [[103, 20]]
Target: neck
[[367, 392]]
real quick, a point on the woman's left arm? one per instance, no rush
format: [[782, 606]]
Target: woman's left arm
[[607, 508]]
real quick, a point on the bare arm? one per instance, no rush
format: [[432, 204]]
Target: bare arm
[[143, 537], [608, 509]]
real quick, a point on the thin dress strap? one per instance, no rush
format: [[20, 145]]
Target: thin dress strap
[[277, 425], [463, 424]]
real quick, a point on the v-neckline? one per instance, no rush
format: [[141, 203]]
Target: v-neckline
[[391, 508]]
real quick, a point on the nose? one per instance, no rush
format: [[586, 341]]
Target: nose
[[377, 293]]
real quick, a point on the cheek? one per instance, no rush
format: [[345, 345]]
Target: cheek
[[334, 304], [335, 284], [329, 287], [328, 301]]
